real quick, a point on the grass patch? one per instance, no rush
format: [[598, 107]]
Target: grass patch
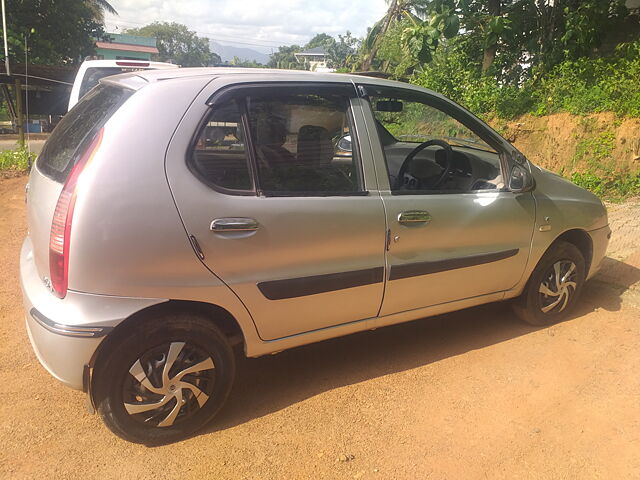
[[613, 186], [17, 160]]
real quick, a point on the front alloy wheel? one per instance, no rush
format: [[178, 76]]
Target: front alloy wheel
[[558, 286], [553, 287]]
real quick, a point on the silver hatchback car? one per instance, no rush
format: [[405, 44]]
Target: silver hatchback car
[[175, 214]]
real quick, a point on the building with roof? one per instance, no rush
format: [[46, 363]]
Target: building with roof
[[315, 59], [126, 47]]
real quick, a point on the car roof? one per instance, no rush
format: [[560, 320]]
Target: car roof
[[138, 79]]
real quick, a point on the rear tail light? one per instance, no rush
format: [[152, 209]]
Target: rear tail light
[[61, 224]]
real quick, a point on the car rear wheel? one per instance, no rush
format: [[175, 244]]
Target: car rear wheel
[[554, 286], [164, 379]]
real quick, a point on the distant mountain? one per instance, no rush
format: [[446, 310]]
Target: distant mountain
[[227, 52]]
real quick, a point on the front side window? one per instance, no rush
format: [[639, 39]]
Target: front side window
[[303, 144], [429, 151]]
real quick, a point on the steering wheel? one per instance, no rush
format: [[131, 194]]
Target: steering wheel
[[400, 181]]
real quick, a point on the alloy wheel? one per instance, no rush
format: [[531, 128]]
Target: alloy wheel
[[558, 286], [168, 384]]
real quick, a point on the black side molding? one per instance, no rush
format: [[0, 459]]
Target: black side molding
[[300, 287], [425, 268]]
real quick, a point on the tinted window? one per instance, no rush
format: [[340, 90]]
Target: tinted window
[[219, 156], [93, 75], [303, 144], [78, 128]]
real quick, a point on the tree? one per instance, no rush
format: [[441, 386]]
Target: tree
[[397, 10], [284, 58], [57, 32], [238, 62], [323, 40], [178, 44], [512, 39], [342, 53]]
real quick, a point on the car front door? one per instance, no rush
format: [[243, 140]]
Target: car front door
[[279, 213], [455, 230]]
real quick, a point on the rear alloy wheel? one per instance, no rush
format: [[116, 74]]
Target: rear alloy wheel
[[168, 384], [164, 379], [554, 286]]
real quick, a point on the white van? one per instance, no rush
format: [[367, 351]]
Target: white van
[[91, 71]]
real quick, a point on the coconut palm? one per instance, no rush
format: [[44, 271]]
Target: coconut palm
[[98, 7], [398, 9]]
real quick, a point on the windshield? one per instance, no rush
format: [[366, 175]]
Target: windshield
[[93, 75], [77, 128]]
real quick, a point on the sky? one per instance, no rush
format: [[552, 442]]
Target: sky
[[262, 25]]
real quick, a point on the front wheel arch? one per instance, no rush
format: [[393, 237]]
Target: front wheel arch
[[582, 241]]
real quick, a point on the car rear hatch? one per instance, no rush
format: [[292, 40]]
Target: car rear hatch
[[71, 141]]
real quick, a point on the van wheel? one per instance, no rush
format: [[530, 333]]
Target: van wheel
[[554, 286], [164, 379]]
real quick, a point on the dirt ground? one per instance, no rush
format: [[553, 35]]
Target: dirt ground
[[474, 394]]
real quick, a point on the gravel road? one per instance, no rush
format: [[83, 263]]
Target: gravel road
[[473, 394]]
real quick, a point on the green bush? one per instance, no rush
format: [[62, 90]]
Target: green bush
[[613, 186], [17, 159], [579, 86]]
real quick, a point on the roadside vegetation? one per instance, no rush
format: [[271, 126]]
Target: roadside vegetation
[[505, 60], [16, 161]]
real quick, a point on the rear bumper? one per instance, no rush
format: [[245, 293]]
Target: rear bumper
[[65, 333], [600, 241]]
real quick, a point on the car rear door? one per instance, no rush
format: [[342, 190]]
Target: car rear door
[[289, 226]]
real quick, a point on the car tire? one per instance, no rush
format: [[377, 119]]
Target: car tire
[[554, 286], [161, 362]]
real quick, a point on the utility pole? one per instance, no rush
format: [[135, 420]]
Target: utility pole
[[4, 32], [19, 117]]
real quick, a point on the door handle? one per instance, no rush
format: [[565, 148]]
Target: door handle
[[414, 218], [234, 224]]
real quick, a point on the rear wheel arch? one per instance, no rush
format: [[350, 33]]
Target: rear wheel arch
[[216, 314]]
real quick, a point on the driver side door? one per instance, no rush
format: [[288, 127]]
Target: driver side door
[[464, 237]]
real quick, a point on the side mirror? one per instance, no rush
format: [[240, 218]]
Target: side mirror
[[520, 179]]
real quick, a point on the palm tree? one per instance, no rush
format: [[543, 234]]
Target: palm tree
[[396, 11], [98, 7]]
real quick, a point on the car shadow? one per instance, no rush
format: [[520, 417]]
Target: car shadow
[[605, 290], [268, 384]]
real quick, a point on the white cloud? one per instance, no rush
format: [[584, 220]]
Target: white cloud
[[258, 24]]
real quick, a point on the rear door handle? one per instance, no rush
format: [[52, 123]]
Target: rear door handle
[[234, 224], [414, 218]]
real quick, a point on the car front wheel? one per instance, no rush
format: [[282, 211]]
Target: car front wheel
[[164, 379], [554, 286]]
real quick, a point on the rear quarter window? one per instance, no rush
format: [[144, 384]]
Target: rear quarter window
[[73, 134]]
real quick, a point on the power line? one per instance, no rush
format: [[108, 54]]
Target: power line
[[218, 37]]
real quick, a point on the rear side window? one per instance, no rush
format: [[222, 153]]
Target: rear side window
[[219, 157], [303, 144], [78, 128]]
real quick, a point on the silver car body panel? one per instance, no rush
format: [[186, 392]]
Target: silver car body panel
[[65, 355], [297, 238], [131, 249]]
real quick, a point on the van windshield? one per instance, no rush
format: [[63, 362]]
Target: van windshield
[[93, 75], [73, 134]]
